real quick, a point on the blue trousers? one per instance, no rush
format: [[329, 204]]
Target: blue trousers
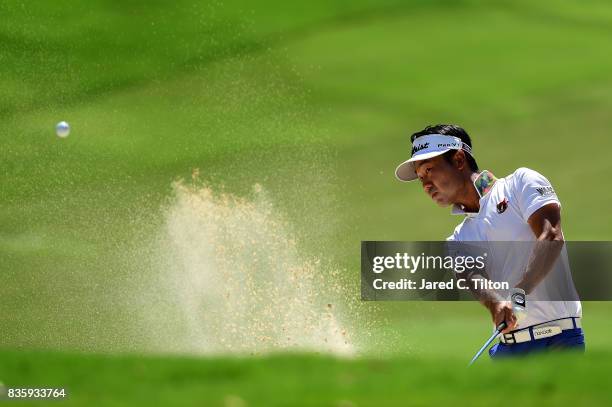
[[570, 339]]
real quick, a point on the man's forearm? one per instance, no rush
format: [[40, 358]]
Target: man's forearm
[[543, 257], [546, 226], [485, 296], [498, 306]]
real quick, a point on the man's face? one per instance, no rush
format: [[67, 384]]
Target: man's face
[[441, 180]]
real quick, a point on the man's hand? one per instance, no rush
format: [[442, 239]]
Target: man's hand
[[502, 311], [498, 306]]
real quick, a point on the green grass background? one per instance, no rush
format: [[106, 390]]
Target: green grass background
[[315, 101]]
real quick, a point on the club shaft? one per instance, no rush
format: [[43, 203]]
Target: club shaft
[[500, 328]]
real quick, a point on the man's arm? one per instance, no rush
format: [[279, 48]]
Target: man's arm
[[546, 226], [499, 307]]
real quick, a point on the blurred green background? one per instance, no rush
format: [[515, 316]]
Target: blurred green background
[[315, 102]]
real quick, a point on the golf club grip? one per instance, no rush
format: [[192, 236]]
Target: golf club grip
[[502, 325]]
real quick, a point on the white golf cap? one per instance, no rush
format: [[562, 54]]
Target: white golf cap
[[428, 146]]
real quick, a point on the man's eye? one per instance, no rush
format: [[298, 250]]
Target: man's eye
[[428, 170]]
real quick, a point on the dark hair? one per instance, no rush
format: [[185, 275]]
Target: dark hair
[[449, 130]]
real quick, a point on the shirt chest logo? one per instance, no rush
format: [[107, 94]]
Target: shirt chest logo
[[502, 206]]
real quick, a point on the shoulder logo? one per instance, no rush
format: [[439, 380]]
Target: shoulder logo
[[502, 206], [545, 191], [419, 148]]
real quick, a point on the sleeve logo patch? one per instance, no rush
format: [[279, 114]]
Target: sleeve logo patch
[[545, 191]]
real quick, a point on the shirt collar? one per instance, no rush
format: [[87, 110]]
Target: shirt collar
[[483, 184]]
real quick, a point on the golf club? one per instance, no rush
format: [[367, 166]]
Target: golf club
[[498, 330]]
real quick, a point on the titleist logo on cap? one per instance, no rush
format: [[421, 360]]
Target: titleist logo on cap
[[419, 148]]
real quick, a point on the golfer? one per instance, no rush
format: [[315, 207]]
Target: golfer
[[520, 207]]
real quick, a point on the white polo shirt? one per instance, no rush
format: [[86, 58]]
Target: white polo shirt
[[505, 206]]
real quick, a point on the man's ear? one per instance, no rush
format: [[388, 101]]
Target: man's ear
[[459, 160]]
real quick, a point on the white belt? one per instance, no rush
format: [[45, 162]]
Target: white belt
[[540, 331]]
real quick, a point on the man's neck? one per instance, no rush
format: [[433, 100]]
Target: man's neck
[[469, 198]]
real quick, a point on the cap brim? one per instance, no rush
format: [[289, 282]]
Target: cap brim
[[406, 171]]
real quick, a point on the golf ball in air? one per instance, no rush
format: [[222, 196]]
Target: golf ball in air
[[62, 129]]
